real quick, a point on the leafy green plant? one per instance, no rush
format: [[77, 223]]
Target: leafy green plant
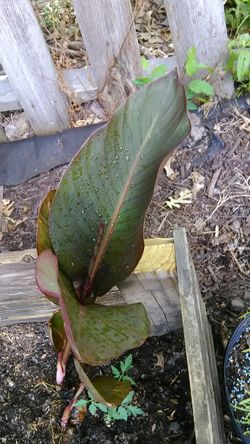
[[198, 90], [237, 14], [125, 366], [122, 412], [239, 62], [157, 72], [90, 234], [59, 18]]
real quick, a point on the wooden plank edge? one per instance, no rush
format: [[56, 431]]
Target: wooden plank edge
[[203, 376], [78, 81], [1, 210], [29, 255]]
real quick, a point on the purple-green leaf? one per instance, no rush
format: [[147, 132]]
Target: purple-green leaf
[[46, 274], [109, 184], [43, 241], [97, 333]]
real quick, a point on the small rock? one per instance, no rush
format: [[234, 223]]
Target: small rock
[[46, 406], [198, 223], [174, 426], [10, 382], [237, 305], [198, 131], [247, 295]]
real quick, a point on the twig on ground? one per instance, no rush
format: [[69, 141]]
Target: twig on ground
[[214, 277], [246, 273], [162, 222], [213, 182]]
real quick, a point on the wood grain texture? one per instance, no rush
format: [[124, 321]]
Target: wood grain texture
[[21, 301], [27, 62], [8, 98], [201, 24], [158, 292], [76, 81], [109, 36], [202, 368]]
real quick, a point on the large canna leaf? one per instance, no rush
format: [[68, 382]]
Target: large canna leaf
[[98, 211], [99, 333]]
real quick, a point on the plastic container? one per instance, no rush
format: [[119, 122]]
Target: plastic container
[[234, 339]]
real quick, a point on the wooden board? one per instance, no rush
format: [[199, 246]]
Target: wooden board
[[200, 353], [28, 64], [1, 209], [201, 24], [78, 82], [109, 37], [21, 301], [8, 98]]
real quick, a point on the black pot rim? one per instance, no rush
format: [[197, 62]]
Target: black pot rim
[[233, 340]]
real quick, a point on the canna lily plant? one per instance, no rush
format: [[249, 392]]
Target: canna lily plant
[[90, 233]]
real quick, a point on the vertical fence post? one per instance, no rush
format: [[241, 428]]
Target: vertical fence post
[[201, 24], [30, 68], [109, 36]]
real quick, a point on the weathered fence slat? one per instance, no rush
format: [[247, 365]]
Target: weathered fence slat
[[78, 82], [109, 37], [199, 346], [29, 67], [201, 24]]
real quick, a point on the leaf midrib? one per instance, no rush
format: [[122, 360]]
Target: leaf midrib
[[105, 241]]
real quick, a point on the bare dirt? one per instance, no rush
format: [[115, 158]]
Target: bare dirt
[[31, 404]]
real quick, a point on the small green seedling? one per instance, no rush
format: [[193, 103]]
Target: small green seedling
[[198, 90], [244, 408], [123, 411], [237, 14], [125, 366], [154, 74], [239, 62]]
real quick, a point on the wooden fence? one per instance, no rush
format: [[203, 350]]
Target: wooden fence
[[32, 83]]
